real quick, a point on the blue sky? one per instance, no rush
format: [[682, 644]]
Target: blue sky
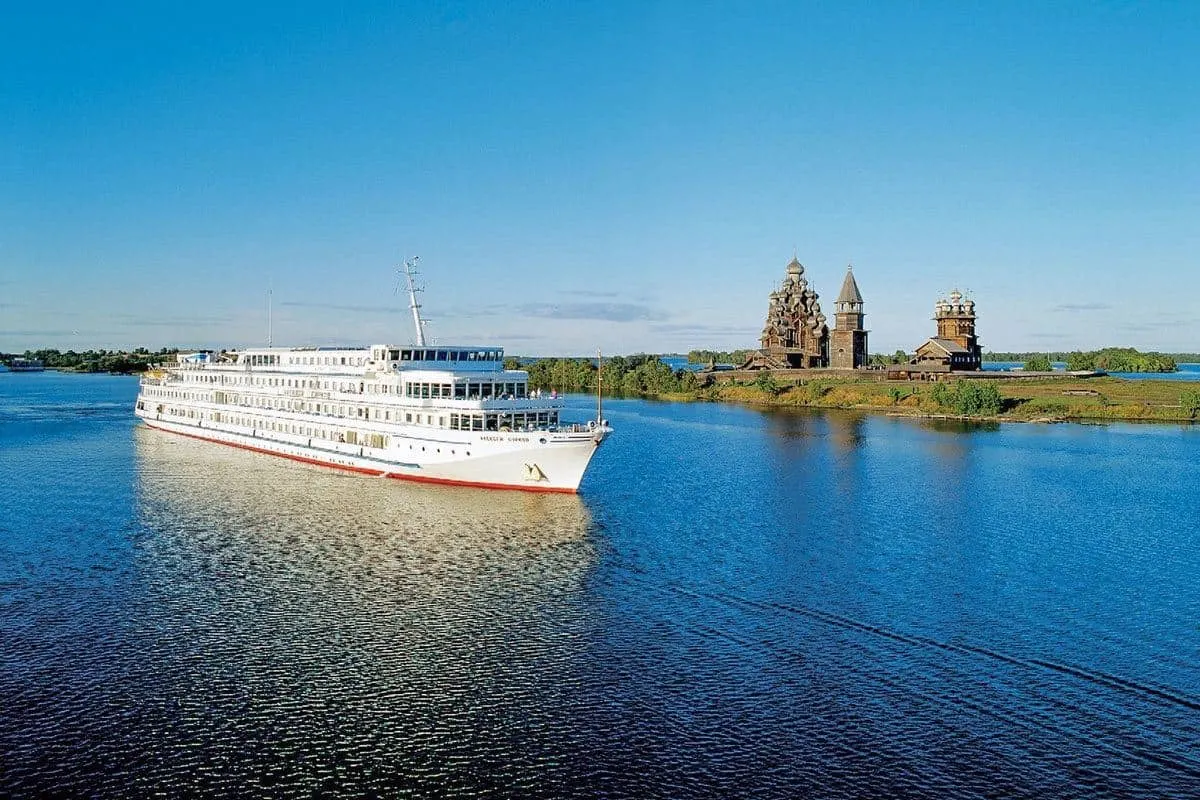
[[628, 176]]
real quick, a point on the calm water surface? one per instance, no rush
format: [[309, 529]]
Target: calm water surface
[[741, 604]]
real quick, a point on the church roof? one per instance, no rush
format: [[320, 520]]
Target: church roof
[[946, 345], [850, 292]]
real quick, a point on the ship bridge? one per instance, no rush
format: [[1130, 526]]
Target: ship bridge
[[458, 359]]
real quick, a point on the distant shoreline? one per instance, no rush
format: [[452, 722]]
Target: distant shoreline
[[1034, 400]]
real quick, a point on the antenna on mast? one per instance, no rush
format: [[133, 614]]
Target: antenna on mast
[[409, 271], [270, 303]]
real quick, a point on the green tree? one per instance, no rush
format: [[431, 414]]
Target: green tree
[[1077, 361], [940, 395], [1038, 362], [765, 382], [1190, 401], [969, 398], [977, 398]]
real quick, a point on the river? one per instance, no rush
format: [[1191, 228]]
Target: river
[[741, 603]]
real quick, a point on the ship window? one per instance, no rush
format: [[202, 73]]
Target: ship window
[[408, 417]]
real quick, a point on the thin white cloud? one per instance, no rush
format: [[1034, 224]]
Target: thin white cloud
[[606, 312]]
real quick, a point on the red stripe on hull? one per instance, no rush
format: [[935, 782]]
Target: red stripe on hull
[[375, 472]]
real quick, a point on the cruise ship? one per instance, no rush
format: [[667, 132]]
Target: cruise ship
[[420, 412]]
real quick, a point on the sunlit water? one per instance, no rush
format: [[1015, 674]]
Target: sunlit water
[[740, 604]]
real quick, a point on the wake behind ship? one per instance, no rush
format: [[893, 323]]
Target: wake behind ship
[[426, 413]]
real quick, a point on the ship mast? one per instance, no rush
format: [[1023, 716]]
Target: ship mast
[[409, 270], [599, 370]]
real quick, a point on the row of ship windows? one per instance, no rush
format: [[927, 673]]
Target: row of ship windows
[[274, 360], [458, 391], [489, 421], [281, 383], [465, 391], [377, 440], [443, 355]]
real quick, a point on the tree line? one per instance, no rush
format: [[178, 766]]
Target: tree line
[[620, 375], [735, 357], [122, 361], [1108, 359]]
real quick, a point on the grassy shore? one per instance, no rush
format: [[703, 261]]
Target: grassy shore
[[1050, 400]]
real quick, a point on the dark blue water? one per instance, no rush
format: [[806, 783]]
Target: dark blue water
[[741, 604]]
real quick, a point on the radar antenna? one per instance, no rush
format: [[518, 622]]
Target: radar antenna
[[409, 271]]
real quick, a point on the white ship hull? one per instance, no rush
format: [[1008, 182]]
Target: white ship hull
[[537, 461]]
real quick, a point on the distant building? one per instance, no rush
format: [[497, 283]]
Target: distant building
[[956, 347], [795, 335], [848, 340]]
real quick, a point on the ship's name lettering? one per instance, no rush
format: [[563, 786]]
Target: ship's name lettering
[[504, 439]]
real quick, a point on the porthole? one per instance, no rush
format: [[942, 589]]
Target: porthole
[[541, 441]]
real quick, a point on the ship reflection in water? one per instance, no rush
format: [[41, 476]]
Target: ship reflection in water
[[310, 626]]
